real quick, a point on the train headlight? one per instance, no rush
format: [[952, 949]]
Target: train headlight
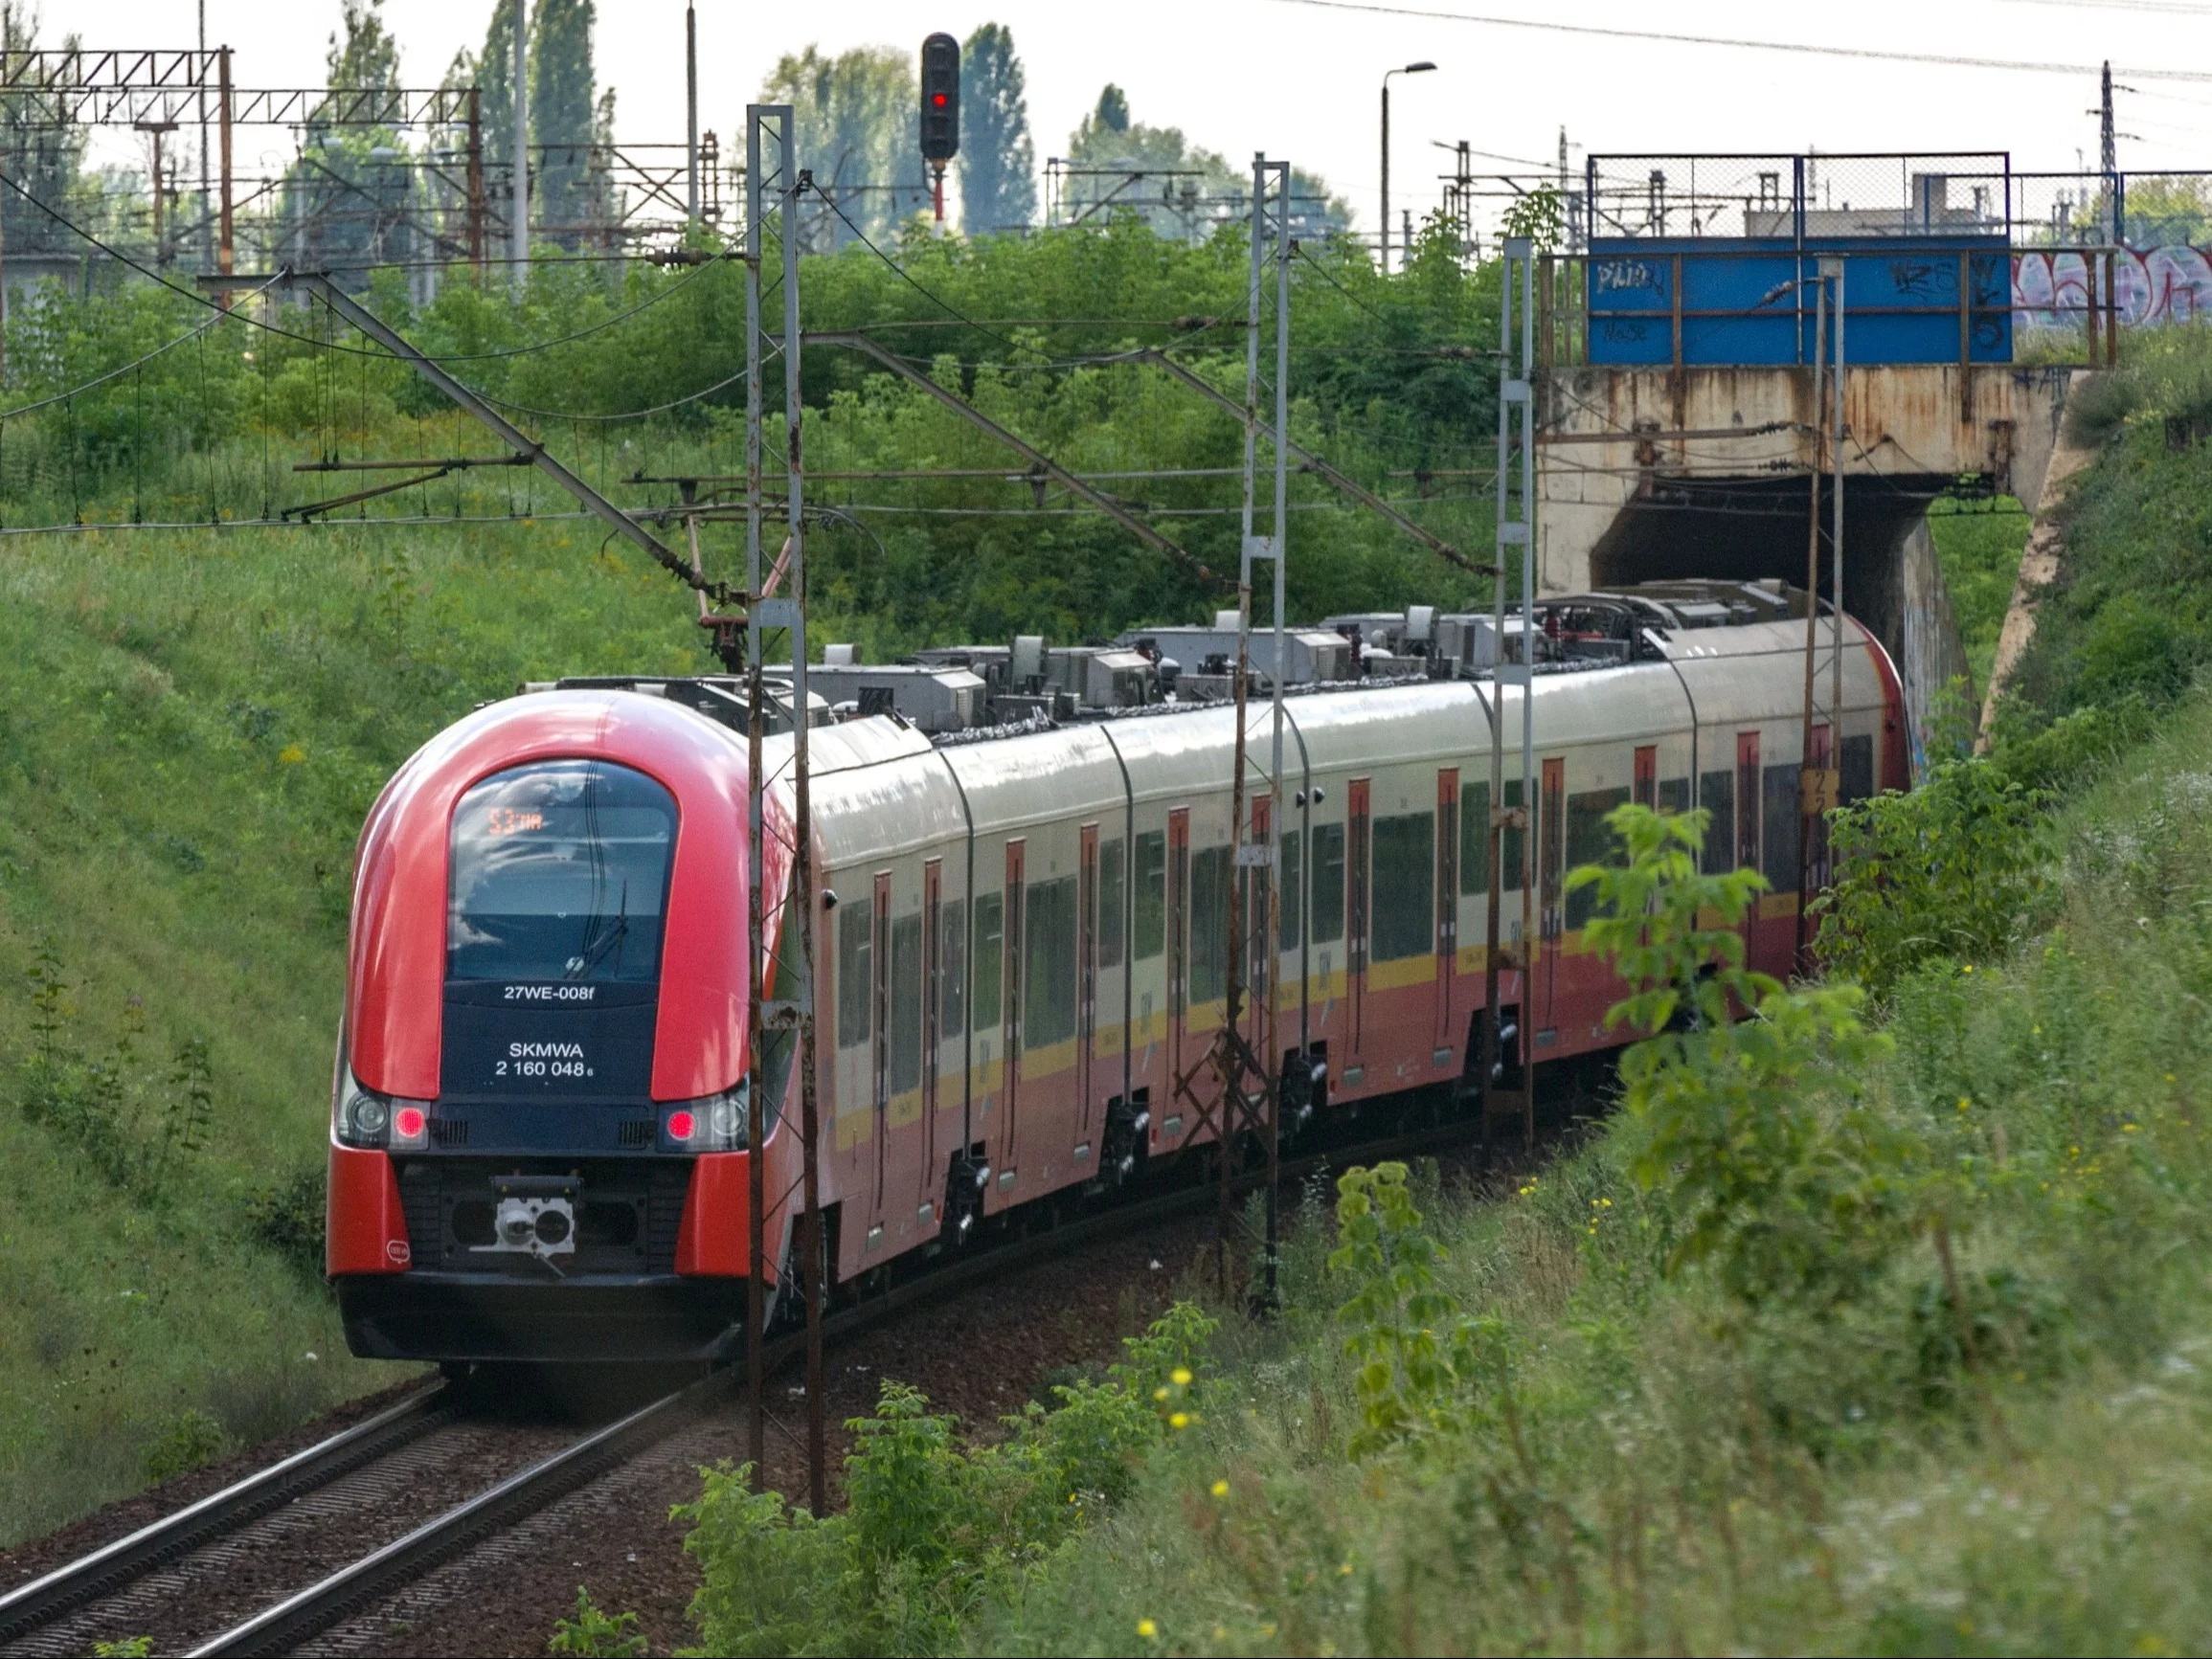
[[370, 1113], [366, 1118]]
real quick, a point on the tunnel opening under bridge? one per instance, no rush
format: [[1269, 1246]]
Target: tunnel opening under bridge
[[1756, 528]]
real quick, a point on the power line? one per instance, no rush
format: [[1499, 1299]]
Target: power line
[[1940, 61]]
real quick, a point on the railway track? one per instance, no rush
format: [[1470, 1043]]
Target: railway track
[[178, 1576]]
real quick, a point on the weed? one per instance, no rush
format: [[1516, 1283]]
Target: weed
[[596, 1633], [290, 1217], [191, 1439]]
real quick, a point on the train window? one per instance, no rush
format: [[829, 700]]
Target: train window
[[1784, 827], [1674, 795], [1857, 765], [1717, 795], [1289, 893], [990, 958], [560, 870], [1151, 907], [1113, 899], [906, 1003], [1590, 841], [1475, 838], [855, 974], [1511, 870], [952, 1015], [1328, 882], [1404, 922], [1209, 868], [1048, 978]]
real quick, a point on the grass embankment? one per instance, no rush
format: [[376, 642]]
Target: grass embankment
[[192, 728], [1977, 548]]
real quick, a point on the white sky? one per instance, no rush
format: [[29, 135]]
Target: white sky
[[1299, 81]]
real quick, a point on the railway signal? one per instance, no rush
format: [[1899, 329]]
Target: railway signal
[[941, 111]]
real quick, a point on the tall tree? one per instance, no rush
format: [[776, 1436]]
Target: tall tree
[[998, 162], [563, 111], [368, 56], [43, 153], [491, 71], [349, 198], [1177, 188], [857, 116]]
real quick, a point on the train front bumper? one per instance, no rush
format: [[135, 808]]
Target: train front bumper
[[622, 1319]]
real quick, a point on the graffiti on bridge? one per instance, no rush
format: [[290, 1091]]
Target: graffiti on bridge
[[2052, 290]]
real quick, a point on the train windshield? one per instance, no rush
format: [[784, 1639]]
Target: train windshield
[[560, 871]]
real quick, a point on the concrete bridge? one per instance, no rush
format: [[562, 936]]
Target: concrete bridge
[[1645, 474]]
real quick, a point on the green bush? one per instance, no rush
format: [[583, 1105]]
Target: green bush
[[191, 1439], [1956, 870], [929, 1524], [290, 1219], [1782, 1195]]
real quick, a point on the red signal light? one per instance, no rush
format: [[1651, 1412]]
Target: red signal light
[[680, 1125], [939, 101], [409, 1121]]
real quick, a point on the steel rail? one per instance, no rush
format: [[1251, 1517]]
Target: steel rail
[[306, 1613], [112, 1566]]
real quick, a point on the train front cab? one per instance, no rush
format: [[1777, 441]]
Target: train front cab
[[538, 1110]]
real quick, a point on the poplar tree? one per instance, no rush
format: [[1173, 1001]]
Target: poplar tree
[[857, 116], [998, 162], [563, 114]]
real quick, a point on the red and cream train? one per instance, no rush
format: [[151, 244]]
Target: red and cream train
[[538, 1112]]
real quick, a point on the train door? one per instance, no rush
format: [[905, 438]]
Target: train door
[[1258, 962], [933, 1015], [1017, 852], [1748, 800], [1086, 970], [1646, 793], [1821, 758], [1551, 877], [1360, 832], [1178, 944], [879, 1054], [1447, 902]]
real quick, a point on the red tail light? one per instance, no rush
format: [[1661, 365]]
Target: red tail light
[[680, 1125]]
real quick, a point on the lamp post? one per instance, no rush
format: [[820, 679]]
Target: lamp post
[[1421, 68]]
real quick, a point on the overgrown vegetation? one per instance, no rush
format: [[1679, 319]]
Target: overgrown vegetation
[[1871, 1320], [2130, 618], [1385, 382], [931, 1528]]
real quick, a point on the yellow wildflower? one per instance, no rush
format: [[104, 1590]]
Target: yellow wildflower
[[291, 755], [1220, 1489], [1180, 1378], [1147, 1629], [1179, 1421]]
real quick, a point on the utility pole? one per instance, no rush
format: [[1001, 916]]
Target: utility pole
[[156, 129], [476, 202], [200, 74], [519, 238], [1515, 528], [226, 250], [792, 1011], [1250, 1082], [692, 114]]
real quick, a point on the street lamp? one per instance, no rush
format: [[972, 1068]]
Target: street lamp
[[1421, 68]]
